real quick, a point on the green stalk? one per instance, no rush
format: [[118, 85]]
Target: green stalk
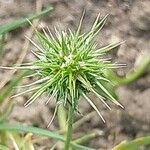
[[62, 118], [133, 75], [70, 128], [22, 21]]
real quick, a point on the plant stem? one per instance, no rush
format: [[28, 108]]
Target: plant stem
[[133, 75], [70, 127], [61, 114], [62, 118], [22, 21]]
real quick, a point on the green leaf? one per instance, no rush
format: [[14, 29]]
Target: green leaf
[[39, 131], [134, 144], [20, 22]]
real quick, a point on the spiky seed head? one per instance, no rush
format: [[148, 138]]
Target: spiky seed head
[[69, 66]]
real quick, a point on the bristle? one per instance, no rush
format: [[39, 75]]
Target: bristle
[[70, 65]]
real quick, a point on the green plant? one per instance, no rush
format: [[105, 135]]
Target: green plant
[[22, 21], [69, 66], [39, 131], [134, 144]]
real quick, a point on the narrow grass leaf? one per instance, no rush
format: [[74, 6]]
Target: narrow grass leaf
[[39, 131], [20, 22]]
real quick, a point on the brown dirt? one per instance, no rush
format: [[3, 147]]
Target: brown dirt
[[129, 20]]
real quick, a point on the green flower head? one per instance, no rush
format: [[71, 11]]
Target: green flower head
[[69, 66]]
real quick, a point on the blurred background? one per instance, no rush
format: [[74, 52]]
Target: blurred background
[[128, 20]]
